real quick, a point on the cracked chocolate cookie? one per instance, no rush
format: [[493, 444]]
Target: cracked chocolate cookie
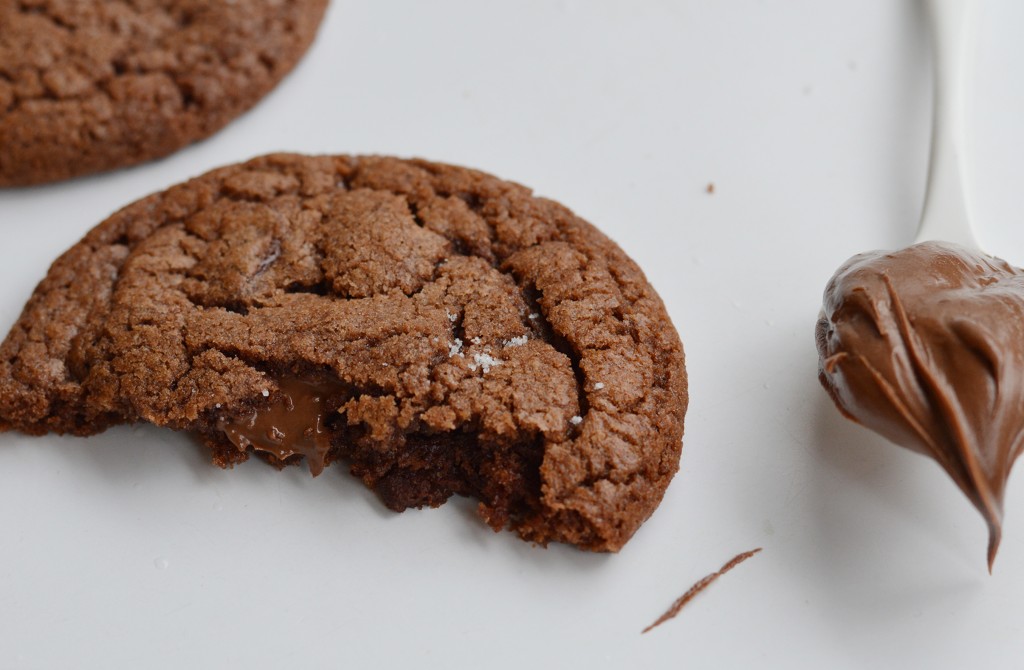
[[92, 85], [438, 330]]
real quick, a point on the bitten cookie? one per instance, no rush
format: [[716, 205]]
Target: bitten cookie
[[439, 330], [92, 85]]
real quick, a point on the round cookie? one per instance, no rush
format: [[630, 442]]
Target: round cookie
[[92, 85], [439, 330]]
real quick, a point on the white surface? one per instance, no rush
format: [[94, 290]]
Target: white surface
[[812, 121]]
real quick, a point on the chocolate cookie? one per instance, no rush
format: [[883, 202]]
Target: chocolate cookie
[[91, 85], [438, 329]]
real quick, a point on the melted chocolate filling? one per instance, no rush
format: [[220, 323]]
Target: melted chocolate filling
[[413, 470], [293, 424]]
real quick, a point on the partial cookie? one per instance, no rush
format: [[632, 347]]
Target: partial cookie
[[438, 329], [92, 85]]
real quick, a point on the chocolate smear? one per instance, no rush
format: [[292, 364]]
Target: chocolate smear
[[682, 601]]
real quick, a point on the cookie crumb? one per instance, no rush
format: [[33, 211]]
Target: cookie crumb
[[679, 604], [711, 188]]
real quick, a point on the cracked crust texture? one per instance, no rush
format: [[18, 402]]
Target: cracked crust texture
[[92, 85], [488, 342]]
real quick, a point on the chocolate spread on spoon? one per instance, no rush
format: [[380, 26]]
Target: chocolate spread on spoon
[[292, 424], [926, 347]]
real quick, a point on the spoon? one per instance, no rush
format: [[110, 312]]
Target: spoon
[[945, 215], [925, 345]]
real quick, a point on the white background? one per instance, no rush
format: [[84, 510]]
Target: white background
[[811, 119]]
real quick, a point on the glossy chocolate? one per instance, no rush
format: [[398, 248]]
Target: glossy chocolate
[[293, 423], [926, 347]]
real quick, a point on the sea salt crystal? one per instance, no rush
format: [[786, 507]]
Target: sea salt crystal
[[485, 362], [576, 420], [598, 386], [516, 341], [266, 393], [455, 349]]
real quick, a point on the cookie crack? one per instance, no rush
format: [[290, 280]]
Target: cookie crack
[[47, 13], [538, 323], [457, 246]]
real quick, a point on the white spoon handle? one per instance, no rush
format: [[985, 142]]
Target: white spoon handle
[[945, 215]]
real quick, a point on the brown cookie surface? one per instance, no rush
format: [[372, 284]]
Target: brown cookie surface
[[92, 85], [440, 330]]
